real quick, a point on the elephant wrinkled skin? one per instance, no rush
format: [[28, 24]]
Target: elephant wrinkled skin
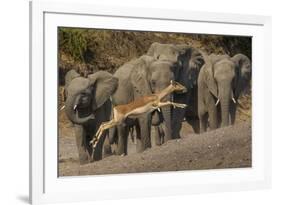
[[133, 83], [220, 83], [87, 106], [185, 63]]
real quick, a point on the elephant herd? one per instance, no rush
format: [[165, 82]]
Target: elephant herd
[[213, 82]]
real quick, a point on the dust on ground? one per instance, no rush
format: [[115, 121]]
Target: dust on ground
[[228, 147]]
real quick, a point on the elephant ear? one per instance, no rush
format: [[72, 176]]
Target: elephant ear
[[243, 64], [196, 59], [104, 85], [147, 59], [69, 76], [140, 76], [215, 58], [151, 50], [77, 85], [243, 72], [209, 74]]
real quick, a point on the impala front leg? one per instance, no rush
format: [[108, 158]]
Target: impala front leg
[[167, 103], [180, 105]]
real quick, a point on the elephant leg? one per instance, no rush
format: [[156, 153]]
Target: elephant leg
[[98, 149], [213, 117], [157, 135], [84, 150], [212, 110], [166, 126], [194, 122], [138, 137], [162, 134], [112, 135], [106, 151], [122, 139], [178, 116], [167, 117], [102, 146], [232, 110], [143, 137], [132, 134], [203, 121]]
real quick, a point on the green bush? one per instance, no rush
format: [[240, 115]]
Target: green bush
[[73, 42]]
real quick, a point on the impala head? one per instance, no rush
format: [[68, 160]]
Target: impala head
[[178, 87]]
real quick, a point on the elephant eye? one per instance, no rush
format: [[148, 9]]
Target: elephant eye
[[83, 94], [153, 82]]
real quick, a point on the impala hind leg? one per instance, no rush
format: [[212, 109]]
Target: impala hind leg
[[100, 131], [100, 128]]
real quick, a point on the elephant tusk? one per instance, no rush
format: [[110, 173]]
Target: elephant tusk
[[233, 100], [217, 102], [62, 107], [159, 109], [74, 107]]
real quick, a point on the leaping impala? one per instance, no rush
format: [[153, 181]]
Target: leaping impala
[[134, 109]]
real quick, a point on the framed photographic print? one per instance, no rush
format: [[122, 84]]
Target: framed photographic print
[[130, 102]]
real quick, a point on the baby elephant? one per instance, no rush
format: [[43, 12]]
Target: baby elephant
[[220, 83]]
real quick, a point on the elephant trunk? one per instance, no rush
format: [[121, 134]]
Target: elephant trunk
[[225, 97], [167, 117], [225, 113], [155, 119], [72, 111]]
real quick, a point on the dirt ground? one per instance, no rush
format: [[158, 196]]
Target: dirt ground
[[228, 147]]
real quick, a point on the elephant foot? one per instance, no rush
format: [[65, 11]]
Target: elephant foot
[[84, 160], [177, 137]]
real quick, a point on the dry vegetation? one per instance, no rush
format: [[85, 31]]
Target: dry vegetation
[[89, 50]]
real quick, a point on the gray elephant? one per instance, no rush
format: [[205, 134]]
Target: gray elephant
[[220, 82], [133, 83], [87, 106], [185, 64], [161, 74]]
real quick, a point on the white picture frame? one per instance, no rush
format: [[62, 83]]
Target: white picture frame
[[46, 186]]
